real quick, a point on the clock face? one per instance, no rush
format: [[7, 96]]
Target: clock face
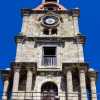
[[50, 21]]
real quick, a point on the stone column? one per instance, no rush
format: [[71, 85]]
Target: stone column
[[83, 85], [15, 83], [29, 84], [69, 84], [5, 90], [93, 85]]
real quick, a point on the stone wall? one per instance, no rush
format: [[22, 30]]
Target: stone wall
[[67, 28], [69, 53]]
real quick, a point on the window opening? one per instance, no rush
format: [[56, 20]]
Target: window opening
[[49, 56], [50, 0], [46, 31], [50, 8], [49, 51], [54, 31]]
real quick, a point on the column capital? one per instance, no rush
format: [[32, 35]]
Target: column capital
[[82, 69], [71, 66], [66, 69], [25, 65], [5, 74], [92, 74]]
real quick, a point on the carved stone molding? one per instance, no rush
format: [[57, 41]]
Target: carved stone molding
[[72, 66], [80, 39], [71, 12], [25, 66], [77, 39]]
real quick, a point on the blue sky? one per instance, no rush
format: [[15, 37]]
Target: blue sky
[[10, 26]]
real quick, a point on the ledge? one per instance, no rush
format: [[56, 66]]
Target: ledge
[[71, 66], [77, 39], [24, 65], [71, 12]]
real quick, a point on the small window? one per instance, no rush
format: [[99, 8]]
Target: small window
[[50, 0], [49, 56], [50, 8], [46, 31], [54, 31]]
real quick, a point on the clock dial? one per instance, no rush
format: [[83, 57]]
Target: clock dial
[[50, 21]]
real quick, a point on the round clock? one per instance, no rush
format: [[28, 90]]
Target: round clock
[[50, 21]]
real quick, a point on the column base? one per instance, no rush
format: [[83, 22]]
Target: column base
[[4, 97], [29, 96]]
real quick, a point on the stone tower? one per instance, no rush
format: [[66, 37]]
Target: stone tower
[[49, 61]]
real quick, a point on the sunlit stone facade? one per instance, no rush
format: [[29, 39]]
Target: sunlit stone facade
[[49, 62]]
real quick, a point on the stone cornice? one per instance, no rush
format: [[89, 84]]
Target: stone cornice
[[80, 39], [4, 73], [77, 39], [71, 66], [24, 66], [71, 12]]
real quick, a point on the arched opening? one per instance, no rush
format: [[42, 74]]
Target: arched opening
[[49, 91]]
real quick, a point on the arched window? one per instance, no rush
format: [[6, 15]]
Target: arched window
[[49, 91]]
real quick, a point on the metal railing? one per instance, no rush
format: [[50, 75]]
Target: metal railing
[[40, 96], [49, 60]]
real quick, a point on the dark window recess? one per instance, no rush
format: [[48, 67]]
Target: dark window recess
[[33, 81], [50, 8], [46, 31], [75, 77], [50, 0], [49, 56], [49, 51], [22, 80], [54, 31]]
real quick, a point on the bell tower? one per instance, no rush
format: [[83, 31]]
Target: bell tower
[[49, 61]]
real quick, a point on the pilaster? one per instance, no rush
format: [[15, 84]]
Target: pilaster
[[5, 90], [92, 76], [82, 72], [15, 83], [69, 83], [75, 25]]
